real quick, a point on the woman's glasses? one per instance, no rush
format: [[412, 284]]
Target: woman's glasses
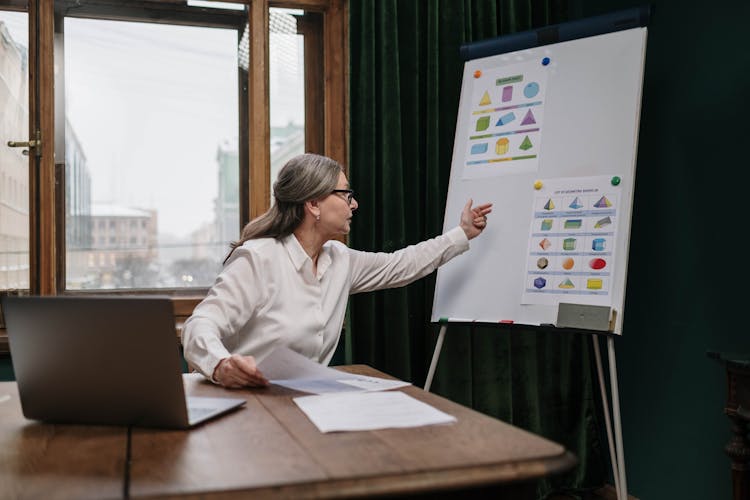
[[349, 194]]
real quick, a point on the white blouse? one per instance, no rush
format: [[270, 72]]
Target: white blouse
[[267, 296]]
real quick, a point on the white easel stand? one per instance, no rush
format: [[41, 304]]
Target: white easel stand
[[616, 452], [435, 356]]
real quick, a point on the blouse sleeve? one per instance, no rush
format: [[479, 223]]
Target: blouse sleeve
[[376, 271], [230, 303]]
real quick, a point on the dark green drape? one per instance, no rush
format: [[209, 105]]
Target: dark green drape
[[405, 85]]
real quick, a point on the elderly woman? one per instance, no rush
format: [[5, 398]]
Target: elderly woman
[[287, 281]]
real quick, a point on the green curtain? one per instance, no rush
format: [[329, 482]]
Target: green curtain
[[405, 85]]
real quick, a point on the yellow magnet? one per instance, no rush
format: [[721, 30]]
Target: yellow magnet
[[537, 184]]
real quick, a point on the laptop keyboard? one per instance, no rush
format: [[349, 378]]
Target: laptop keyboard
[[197, 412]]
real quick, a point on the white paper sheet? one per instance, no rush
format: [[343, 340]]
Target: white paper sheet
[[361, 411], [290, 369]]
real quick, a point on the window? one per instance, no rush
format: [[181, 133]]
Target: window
[[14, 169], [171, 91], [62, 243], [287, 87]]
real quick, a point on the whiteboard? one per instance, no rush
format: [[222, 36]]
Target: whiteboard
[[549, 136]]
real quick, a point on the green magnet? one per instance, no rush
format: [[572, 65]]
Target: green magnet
[[615, 180]]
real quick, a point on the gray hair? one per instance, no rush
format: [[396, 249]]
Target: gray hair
[[305, 177]]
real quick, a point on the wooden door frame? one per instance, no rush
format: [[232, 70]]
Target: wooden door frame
[[42, 231]]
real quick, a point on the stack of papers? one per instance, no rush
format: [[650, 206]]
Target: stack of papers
[[290, 369], [357, 411], [345, 401]]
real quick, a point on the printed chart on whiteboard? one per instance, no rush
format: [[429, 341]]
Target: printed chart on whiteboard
[[507, 111], [571, 240]]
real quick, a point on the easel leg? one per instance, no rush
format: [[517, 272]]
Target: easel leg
[[622, 492], [607, 421], [435, 356]]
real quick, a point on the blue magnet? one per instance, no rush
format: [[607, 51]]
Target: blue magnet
[[545, 61]]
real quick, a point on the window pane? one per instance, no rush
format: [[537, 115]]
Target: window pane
[[286, 88], [152, 190], [14, 167]]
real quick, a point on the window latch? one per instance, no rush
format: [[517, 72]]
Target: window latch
[[35, 144]]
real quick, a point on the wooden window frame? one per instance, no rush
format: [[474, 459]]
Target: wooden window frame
[[47, 241]]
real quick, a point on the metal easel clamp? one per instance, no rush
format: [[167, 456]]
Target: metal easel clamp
[[586, 317]]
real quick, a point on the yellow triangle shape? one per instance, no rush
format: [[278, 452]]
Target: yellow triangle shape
[[485, 99]]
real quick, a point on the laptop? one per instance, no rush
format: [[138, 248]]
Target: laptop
[[102, 360]]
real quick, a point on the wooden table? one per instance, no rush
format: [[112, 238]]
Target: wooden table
[[269, 449], [57, 461]]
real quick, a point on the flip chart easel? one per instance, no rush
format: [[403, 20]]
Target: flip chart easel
[[614, 440], [547, 131]]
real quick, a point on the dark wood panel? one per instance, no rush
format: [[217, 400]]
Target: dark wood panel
[[314, 5], [259, 112], [161, 11], [336, 63], [310, 26]]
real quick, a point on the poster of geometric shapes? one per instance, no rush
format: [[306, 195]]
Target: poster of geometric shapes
[[505, 123], [571, 255]]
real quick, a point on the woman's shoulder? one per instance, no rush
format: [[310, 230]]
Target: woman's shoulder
[[260, 244], [336, 246], [256, 248]]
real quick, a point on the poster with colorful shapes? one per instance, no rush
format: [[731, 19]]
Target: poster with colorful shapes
[[571, 255], [505, 129]]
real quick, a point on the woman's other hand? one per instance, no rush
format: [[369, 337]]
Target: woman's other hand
[[239, 371]]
